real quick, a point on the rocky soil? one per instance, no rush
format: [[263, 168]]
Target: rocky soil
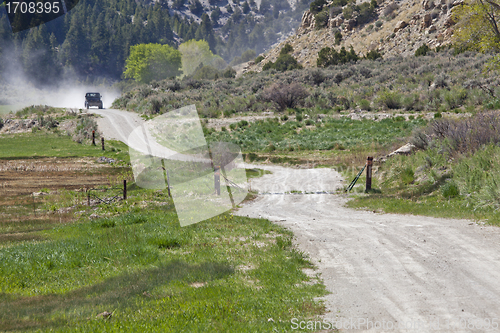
[[415, 23]]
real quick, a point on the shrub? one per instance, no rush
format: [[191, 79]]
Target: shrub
[[329, 56], [317, 6], [1, 123], [407, 175], [378, 24], [373, 55], [389, 99], [365, 12], [450, 189], [285, 96], [316, 76], [284, 63], [455, 98], [420, 139], [206, 73], [322, 19], [338, 37], [155, 106], [246, 56], [348, 12], [364, 105], [422, 50], [286, 49], [229, 73], [84, 128], [258, 59]]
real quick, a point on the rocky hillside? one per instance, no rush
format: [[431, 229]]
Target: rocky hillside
[[395, 29]]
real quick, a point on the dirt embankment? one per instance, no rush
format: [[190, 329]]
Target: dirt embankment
[[437, 274]]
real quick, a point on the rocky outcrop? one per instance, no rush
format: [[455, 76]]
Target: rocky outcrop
[[350, 24], [412, 27], [307, 24], [335, 22], [400, 25]]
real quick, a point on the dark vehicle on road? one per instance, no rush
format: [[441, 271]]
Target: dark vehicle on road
[[93, 99]]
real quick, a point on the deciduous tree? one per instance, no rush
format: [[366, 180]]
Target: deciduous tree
[[148, 62]]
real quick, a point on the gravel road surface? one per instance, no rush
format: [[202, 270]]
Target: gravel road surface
[[117, 124], [401, 273]]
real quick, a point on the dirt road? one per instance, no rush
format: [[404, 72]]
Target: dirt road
[[386, 272], [117, 124]]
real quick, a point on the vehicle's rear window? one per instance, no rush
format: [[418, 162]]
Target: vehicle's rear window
[[93, 95]]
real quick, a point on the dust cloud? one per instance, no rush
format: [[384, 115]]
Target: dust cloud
[[18, 91]]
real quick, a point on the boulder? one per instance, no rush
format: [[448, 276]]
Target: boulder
[[426, 21], [400, 25], [350, 24], [407, 149], [427, 4], [335, 22]]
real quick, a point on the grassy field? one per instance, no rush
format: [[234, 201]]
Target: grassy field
[[50, 144], [226, 274]]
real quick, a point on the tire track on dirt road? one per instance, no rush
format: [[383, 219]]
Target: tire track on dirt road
[[397, 269]]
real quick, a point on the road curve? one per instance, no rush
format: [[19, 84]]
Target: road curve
[[401, 273], [117, 124], [124, 126]]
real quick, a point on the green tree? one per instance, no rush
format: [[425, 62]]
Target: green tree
[[330, 57], [148, 62], [477, 25], [196, 52], [286, 49]]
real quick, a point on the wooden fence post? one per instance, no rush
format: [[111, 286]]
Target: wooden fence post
[[93, 138], [369, 163], [217, 180], [124, 189], [168, 185], [102, 143]]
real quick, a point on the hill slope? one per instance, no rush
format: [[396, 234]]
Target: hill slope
[[394, 29]]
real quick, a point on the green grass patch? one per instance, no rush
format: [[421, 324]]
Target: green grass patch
[[225, 274], [50, 144], [335, 134], [255, 173]]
